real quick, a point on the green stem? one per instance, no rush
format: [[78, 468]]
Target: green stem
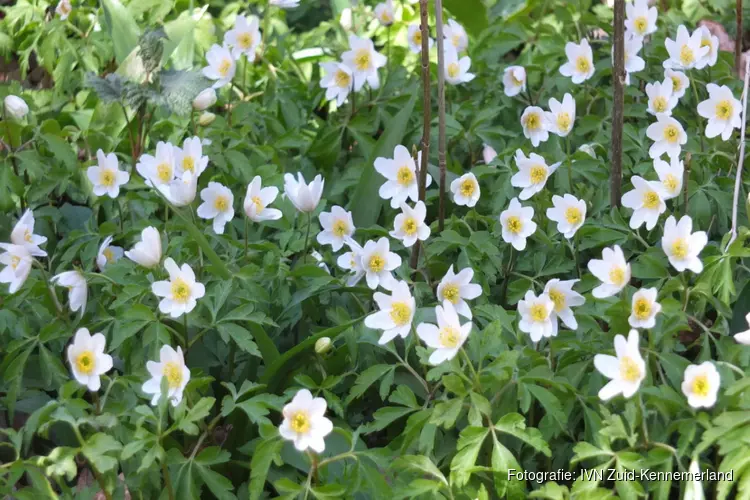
[[167, 481], [220, 268], [642, 412], [247, 227], [474, 373], [697, 101], [307, 237], [570, 163], [187, 333]]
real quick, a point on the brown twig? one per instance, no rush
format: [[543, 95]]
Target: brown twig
[[441, 106], [618, 80]]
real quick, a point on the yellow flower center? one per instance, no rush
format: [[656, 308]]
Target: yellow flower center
[[107, 178], [538, 313], [515, 80], [340, 228], [258, 204], [617, 276], [676, 84], [409, 226], [451, 293], [173, 372], [558, 298], [188, 164], [400, 313], [687, 57], [724, 110], [221, 203], [164, 172], [642, 309], [245, 41], [671, 133], [533, 121], [583, 65], [467, 188], [659, 104], [701, 385], [416, 38], [448, 337], [671, 182], [640, 24], [456, 39], [453, 70], [27, 236], [86, 362], [514, 224], [404, 176], [376, 264], [14, 261], [706, 42], [342, 79], [108, 254], [386, 17], [680, 248], [651, 199], [362, 59], [180, 290], [629, 370], [224, 67], [300, 422], [563, 121], [538, 173], [573, 215]]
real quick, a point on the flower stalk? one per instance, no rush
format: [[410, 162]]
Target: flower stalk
[[618, 82]]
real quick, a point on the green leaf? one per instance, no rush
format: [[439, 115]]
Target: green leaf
[[263, 456], [180, 88], [469, 443], [122, 28], [472, 14], [515, 425], [419, 464], [240, 336], [197, 413], [366, 379], [97, 449]]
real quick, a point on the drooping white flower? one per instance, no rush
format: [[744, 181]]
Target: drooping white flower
[[741, 337], [626, 370], [465, 190], [15, 107], [77, 287], [660, 98], [284, 4], [364, 62], [722, 111], [569, 212], [563, 297], [63, 9], [710, 41], [337, 81], [107, 177], [633, 62], [107, 253], [305, 423], [205, 99], [171, 366], [352, 261], [532, 174], [396, 313], [456, 36], [181, 191], [320, 260], [685, 52], [680, 82], [158, 170], [701, 384], [561, 116], [384, 13], [640, 20], [537, 318], [457, 70], [17, 261], [244, 38], [87, 358], [646, 199], [644, 308], [147, 252], [514, 80], [189, 158], [670, 175], [612, 270], [401, 174], [668, 136], [304, 196], [379, 262], [23, 235], [337, 225], [447, 336], [218, 204], [414, 38], [534, 125], [257, 200], [457, 289], [221, 66], [580, 65], [517, 224], [180, 292], [488, 154], [409, 226], [682, 245]]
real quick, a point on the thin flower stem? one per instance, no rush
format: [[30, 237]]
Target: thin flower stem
[[642, 411], [697, 101], [413, 372], [247, 228], [187, 332], [474, 373], [307, 237], [732, 367], [167, 480], [570, 163]]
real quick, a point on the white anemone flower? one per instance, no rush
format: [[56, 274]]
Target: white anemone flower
[[668, 136], [305, 197], [693, 486], [722, 111], [401, 177], [660, 98], [218, 204], [682, 245], [221, 65], [534, 125], [379, 262], [532, 174], [537, 316], [15, 107], [569, 212], [284, 4], [205, 99], [108, 253], [447, 337], [182, 190], [305, 423], [158, 170], [87, 358], [561, 116], [514, 80], [338, 225], [63, 9], [710, 41], [640, 20], [180, 293], [626, 370], [456, 36], [147, 252], [352, 261], [646, 199], [517, 224], [644, 308], [685, 51], [17, 261], [700, 384], [106, 177], [171, 366], [23, 235], [77, 287], [580, 65], [488, 154], [680, 82], [414, 38], [189, 158], [385, 13], [409, 226], [364, 62], [634, 63], [465, 190], [612, 270], [457, 70], [670, 175], [257, 200], [337, 81], [457, 289], [244, 38], [741, 337], [396, 313], [563, 296]]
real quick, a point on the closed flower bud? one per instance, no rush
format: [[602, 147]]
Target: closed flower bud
[[16, 107], [323, 345], [206, 119], [205, 99]]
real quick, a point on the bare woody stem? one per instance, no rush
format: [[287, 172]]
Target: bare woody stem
[[741, 160], [441, 106], [738, 40], [618, 81]]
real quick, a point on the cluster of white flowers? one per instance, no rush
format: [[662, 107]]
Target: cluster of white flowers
[[537, 123], [243, 39]]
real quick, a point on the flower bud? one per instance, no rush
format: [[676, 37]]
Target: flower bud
[[206, 119], [16, 107], [323, 345], [205, 99]]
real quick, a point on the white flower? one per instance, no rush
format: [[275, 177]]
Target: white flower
[[364, 62], [640, 20], [284, 4], [158, 170], [171, 366], [75, 282], [633, 62], [205, 99], [447, 336], [685, 52], [456, 36], [612, 270], [561, 116], [181, 291], [401, 175], [414, 38], [87, 358], [396, 313], [534, 125], [514, 80], [147, 252], [457, 70], [305, 423], [244, 38], [190, 157], [722, 111], [647, 201], [660, 97], [23, 234], [537, 316], [181, 191], [352, 261], [384, 12], [258, 198], [741, 337], [221, 65], [517, 224], [680, 82], [15, 107], [321, 262], [670, 175], [626, 371], [532, 174], [488, 153], [710, 41], [580, 65], [337, 81], [569, 212], [218, 204], [701, 384], [107, 253], [337, 225], [682, 246], [465, 190], [644, 308], [304, 196], [107, 176], [409, 225], [693, 486], [63, 9], [378, 262], [668, 136], [457, 289], [563, 297], [17, 261]]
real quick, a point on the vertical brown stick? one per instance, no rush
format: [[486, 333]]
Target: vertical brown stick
[[426, 105], [618, 80], [441, 106], [738, 40]]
